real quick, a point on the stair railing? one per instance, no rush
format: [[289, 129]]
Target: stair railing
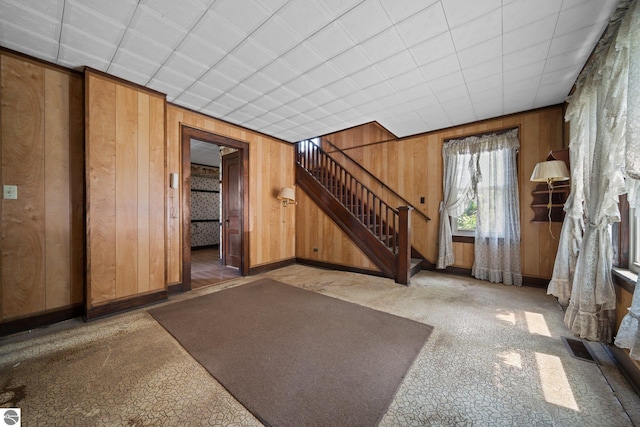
[[379, 217]]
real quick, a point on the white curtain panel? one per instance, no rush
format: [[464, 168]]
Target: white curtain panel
[[598, 114], [497, 237], [484, 167], [629, 38]]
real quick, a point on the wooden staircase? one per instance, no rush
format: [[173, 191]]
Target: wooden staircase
[[379, 230]]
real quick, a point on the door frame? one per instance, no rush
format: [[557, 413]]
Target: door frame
[[187, 133]]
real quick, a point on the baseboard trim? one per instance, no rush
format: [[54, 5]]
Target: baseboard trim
[[175, 288], [534, 282], [338, 267], [271, 266], [628, 368], [116, 307], [40, 320]]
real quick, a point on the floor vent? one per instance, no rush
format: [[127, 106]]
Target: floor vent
[[578, 349]]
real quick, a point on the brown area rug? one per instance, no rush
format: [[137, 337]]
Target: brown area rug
[[294, 357]]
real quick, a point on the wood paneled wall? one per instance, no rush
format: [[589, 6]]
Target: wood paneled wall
[[413, 167], [42, 154], [126, 184], [271, 229]]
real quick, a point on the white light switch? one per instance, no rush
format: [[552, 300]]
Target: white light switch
[[10, 192]]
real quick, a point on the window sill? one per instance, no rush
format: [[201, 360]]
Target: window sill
[[625, 278]]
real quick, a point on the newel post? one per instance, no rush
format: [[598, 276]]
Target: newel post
[[403, 258]]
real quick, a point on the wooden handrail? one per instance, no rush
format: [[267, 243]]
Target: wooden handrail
[[365, 170]]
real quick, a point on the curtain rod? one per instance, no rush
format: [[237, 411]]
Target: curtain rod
[[480, 135]]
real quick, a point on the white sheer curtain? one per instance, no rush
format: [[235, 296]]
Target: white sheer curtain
[[598, 114], [484, 167], [629, 38], [458, 191], [497, 237]]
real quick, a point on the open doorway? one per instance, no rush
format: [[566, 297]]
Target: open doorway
[[214, 202]]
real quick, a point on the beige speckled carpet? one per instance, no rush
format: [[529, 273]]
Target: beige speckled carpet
[[294, 357]]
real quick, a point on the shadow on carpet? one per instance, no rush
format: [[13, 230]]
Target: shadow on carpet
[[293, 357]]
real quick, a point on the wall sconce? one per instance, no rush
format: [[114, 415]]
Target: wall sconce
[[550, 172], [287, 195]]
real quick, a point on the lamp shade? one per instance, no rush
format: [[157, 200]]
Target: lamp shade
[[287, 193], [552, 170]]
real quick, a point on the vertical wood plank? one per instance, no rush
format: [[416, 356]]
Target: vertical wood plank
[[77, 187], [57, 195], [101, 169], [126, 194], [173, 211], [158, 184], [143, 213], [23, 222]]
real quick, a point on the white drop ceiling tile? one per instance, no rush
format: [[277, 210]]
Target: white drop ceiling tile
[[523, 13], [392, 100], [217, 109], [205, 90], [370, 110], [220, 81], [173, 78], [399, 10], [186, 65], [260, 82], [139, 44], [441, 67], [272, 5], [21, 40], [320, 97], [21, 15], [280, 71], [351, 61], [480, 53], [230, 66], [526, 56], [119, 11], [324, 74], [584, 38], [409, 79], [330, 41], [68, 56], [367, 77], [92, 22], [568, 59], [229, 101], [156, 27], [238, 117], [424, 25], [253, 110], [244, 93], [488, 109], [301, 105], [244, 16], [419, 94], [302, 58], [336, 106], [566, 76], [341, 88], [125, 59], [383, 45], [478, 30], [197, 100], [522, 101], [183, 14], [380, 90], [492, 95], [529, 71], [83, 42], [356, 98], [217, 31], [551, 94], [528, 86], [303, 85], [266, 103], [433, 49], [251, 53], [285, 111], [460, 109], [276, 36], [365, 21], [489, 83], [257, 123], [529, 35], [195, 47], [283, 95], [462, 11], [452, 93], [339, 7], [304, 18], [397, 64], [483, 70], [51, 8], [595, 13]]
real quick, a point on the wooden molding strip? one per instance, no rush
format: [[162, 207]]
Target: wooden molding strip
[[338, 267], [136, 86], [271, 266], [40, 320], [125, 305]]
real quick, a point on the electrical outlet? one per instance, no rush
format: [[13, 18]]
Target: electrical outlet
[[422, 200], [10, 192], [315, 249]]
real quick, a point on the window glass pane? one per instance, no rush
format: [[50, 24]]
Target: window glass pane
[[467, 221]]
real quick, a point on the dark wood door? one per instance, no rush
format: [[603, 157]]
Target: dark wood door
[[231, 210]]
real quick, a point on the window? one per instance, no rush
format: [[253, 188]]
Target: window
[[465, 224], [634, 242]]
